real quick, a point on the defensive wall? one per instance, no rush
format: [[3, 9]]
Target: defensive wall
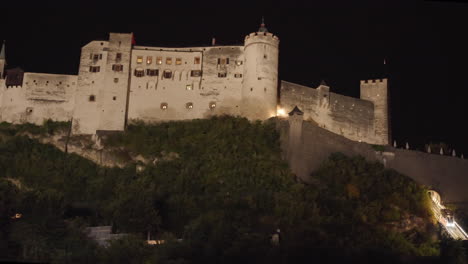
[[306, 148]]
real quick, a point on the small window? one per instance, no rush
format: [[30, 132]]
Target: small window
[[139, 72], [164, 106], [116, 80], [169, 61], [195, 73], [114, 98], [178, 61], [140, 59], [227, 60], [264, 56], [117, 67], [196, 60], [118, 57], [167, 74], [152, 72], [188, 87], [159, 60], [29, 110], [212, 105], [96, 56], [92, 98], [149, 60], [189, 105], [94, 68], [222, 74], [238, 75], [239, 63]]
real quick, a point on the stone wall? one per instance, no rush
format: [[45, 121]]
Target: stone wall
[[445, 174], [347, 116]]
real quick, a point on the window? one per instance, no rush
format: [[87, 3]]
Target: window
[[212, 105], [195, 73], [149, 59], [29, 110], [92, 98], [94, 68], [114, 98], [238, 63], [163, 106], [223, 61], [189, 105], [178, 61], [227, 60], [238, 75], [116, 80], [139, 72], [140, 59], [188, 87], [167, 74], [96, 57], [117, 67], [118, 57], [196, 60], [168, 61], [159, 60], [222, 74], [264, 56], [152, 72]]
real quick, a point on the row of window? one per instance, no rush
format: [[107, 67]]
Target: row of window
[[159, 60], [167, 74], [211, 105]]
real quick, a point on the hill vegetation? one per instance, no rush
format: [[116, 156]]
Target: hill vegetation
[[220, 185]]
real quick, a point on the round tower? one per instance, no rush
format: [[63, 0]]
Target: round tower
[[260, 83]]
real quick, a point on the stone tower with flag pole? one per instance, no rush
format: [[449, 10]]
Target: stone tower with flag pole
[[2, 61]]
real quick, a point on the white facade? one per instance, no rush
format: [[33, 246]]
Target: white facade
[[119, 82]]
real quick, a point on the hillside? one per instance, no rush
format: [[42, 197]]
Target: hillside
[[219, 184]]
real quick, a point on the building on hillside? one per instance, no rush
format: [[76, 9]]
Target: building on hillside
[[119, 82]]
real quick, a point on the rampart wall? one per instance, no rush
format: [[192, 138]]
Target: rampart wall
[[347, 116]]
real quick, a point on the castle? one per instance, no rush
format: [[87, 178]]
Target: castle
[[119, 82]]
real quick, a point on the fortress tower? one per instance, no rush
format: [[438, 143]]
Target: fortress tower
[[376, 91], [2, 61], [260, 84]]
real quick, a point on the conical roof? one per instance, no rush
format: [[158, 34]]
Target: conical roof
[[296, 111], [262, 27]]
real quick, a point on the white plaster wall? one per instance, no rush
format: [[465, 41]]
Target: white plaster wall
[[86, 115], [113, 94], [14, 105], [149, 92], [260, 87]]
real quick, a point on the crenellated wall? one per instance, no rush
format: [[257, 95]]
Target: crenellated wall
[[42, 96], [343, 115]]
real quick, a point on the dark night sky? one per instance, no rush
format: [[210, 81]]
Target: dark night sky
[[424, 44]]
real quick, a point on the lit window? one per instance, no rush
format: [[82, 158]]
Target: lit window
[[152, 72], [178, 61], [195, 73], [238, 63], [168, 61], [212, 105], [117, 67], [118, 57], [238, 75], [189, 105], [196, 60], [94, 68], [167, 74], [92, 98], [188, 87], [222, 74], [149, 59], [159, 60], [140, 59], [164, 106], [139, 72]]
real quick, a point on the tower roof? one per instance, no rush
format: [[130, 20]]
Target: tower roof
[[262, 27], [296, 111], [2, 51], [323, 83]]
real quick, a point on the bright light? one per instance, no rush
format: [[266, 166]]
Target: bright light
[[281, 112]]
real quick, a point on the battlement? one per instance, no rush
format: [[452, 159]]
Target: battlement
[[261, 36], [374, 81]]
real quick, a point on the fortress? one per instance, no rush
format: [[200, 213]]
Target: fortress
[[119, 82]]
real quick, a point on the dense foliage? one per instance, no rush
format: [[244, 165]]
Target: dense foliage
[[219, 184]]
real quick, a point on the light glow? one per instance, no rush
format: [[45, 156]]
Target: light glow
[[281, 112]]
